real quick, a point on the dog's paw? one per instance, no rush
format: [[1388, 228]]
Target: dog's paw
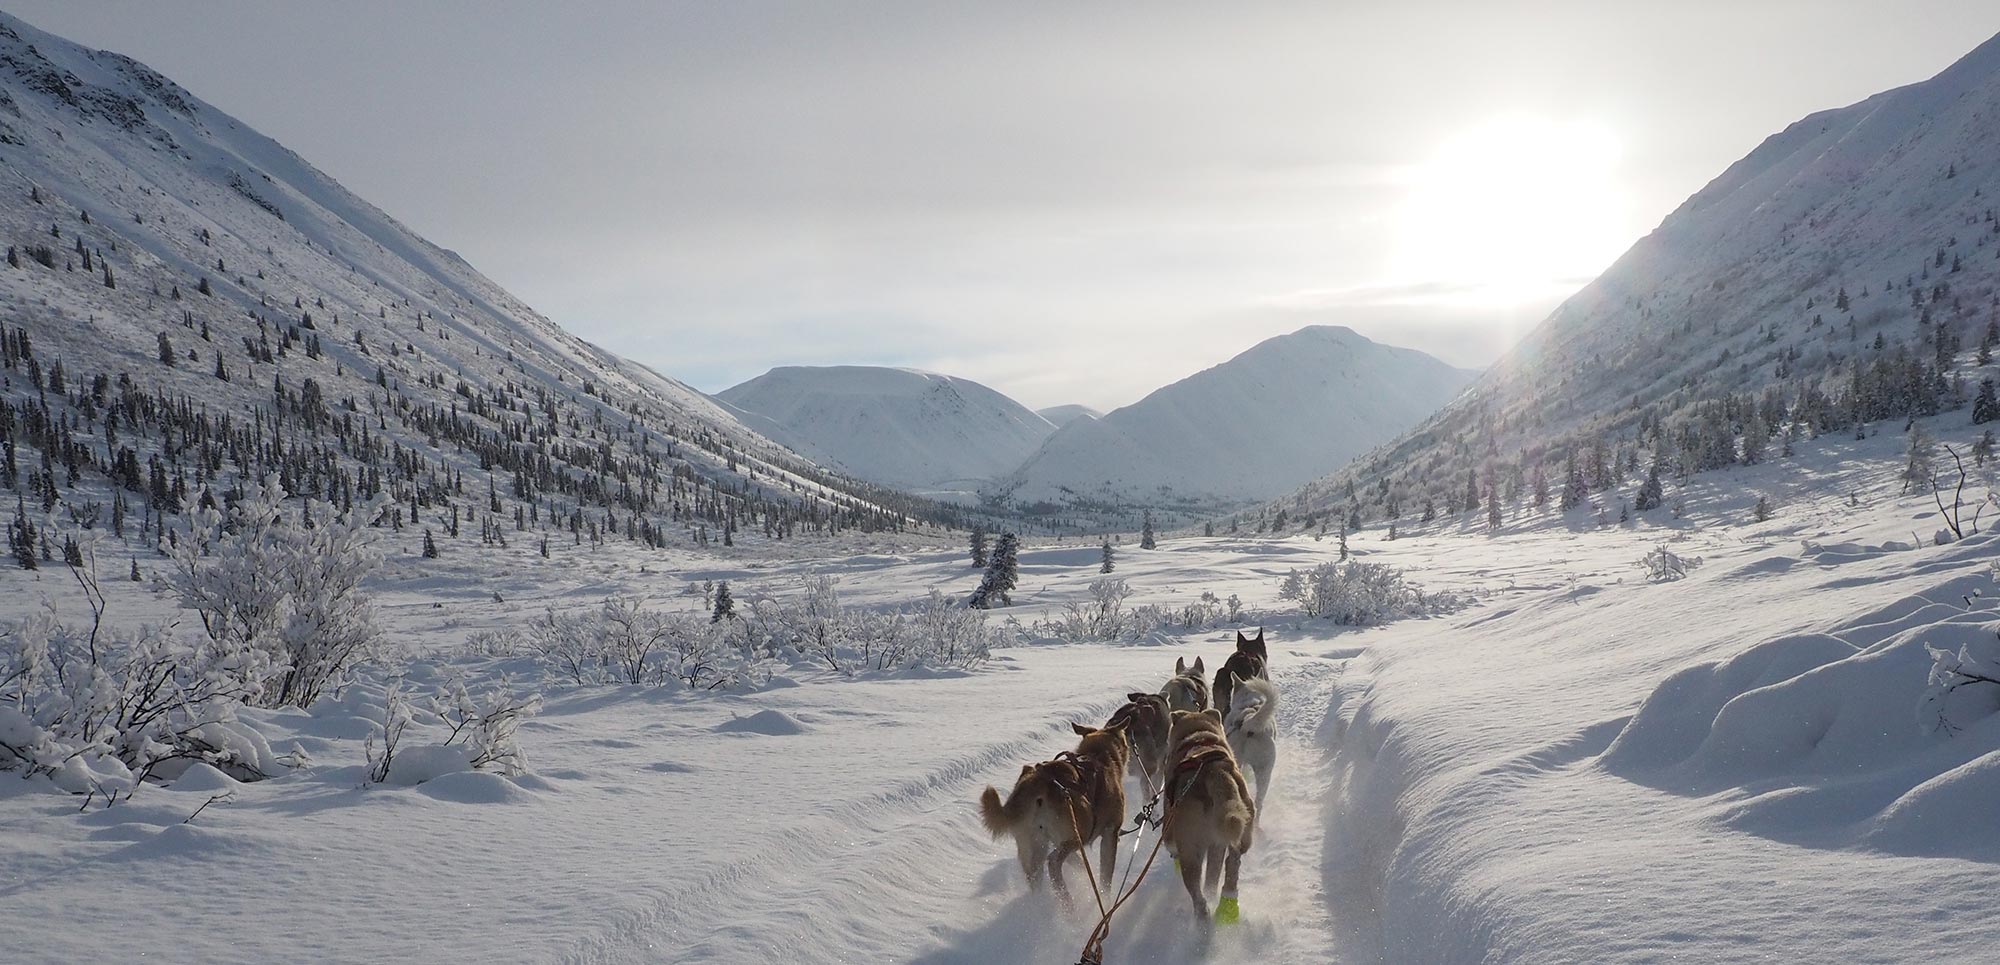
[[1226, 912]]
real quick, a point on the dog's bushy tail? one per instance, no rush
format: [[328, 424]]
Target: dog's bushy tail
[[1239, 820], [998, 817]]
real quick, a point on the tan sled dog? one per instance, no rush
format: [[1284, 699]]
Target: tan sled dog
[[1145, 720], [1059, 806], [1210, 814], [1189, 688]]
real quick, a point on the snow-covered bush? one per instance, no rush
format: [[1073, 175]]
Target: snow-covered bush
[[481, 733], [1359, 594], [282, 591], [815, 628], [101, 709], [1665, 566], [623, 641], [1964, 685]]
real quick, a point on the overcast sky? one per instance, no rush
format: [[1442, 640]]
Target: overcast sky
[[1070, 201]]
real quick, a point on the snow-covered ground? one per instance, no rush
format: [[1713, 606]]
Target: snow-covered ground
[[1582, 765]]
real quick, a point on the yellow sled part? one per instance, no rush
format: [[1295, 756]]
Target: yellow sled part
[[1226, 912]]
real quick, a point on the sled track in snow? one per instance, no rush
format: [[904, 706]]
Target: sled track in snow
[[743, 910], [820, 889]]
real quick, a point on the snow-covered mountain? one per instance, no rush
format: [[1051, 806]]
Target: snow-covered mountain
[[1843, 272], [1062, 415], [178, 278], [1288, 409], [916, 431]]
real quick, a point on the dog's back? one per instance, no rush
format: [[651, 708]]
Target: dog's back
[[1251, 729], [1209, 804]]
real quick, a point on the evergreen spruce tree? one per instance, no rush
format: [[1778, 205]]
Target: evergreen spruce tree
[[725, 605], [1208, 528], [1763, 510], [21, 536], [72, 553], [979, 547], [136, 578], [1471, 490], [1493, 519], [1985, 408], [167, 356], [1651, 493], [1107, 559], [1146, 540], [430, 545], [1002, 574], [1575, 489]]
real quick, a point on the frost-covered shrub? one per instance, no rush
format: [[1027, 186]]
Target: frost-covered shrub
[[624, 642], [102, 709], [815, 628], [282, 590], [481, 733], [1964, 685], [1358, 594], [1663, 565]]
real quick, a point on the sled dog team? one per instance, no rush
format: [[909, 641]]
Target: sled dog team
[[1190, 743]]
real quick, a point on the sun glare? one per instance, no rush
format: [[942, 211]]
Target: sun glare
[[1512, 208]]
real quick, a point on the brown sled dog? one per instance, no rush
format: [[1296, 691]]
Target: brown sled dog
[[1059, 806], [1210, 814], [1248, 661], [1188, 690], [1145, 719]]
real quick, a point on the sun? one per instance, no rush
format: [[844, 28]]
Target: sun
[[1511, 208]]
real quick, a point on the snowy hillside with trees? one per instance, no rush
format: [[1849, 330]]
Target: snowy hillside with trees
[[189, 304], [1840, 280], [915, 431], [1287, 410]]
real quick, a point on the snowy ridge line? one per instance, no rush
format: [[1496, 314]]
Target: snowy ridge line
[[679, 919]]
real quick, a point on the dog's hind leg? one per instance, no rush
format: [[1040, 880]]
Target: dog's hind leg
[[1191, 877], [1056, 859], [1216, 855], [1032, 859], [1225, 907], [1107, 862]]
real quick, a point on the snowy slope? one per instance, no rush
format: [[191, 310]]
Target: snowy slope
[[1289, 409], [164, 194], [1062, 415], [1890, 201], [917, 431]]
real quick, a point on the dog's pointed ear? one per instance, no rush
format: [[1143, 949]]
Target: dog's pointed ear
[[1180, 665], [1213, 714], [1081, 731], [1235, 679], [1027, 769], [1137, 698], [1241, 639], [1197, 666]]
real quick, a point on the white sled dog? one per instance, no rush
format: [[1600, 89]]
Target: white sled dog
[[1253, 711]]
